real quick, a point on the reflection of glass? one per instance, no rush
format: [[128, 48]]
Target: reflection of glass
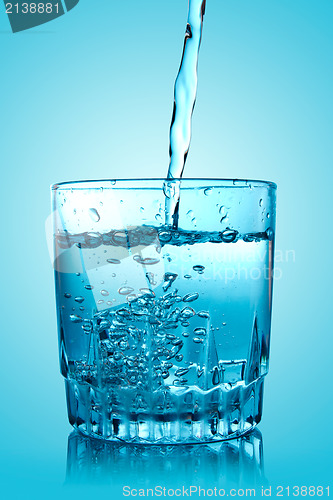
[[237, 461], [163, 331]]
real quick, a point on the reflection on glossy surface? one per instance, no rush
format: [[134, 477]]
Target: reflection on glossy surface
[[234, 462]]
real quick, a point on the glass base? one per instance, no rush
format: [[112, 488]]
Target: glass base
[[169, 416]]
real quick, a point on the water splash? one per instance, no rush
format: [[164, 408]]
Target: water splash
[[185, 93], [186, 90]]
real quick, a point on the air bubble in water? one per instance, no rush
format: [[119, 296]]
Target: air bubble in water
[[190, 297], [269, 234], [181, 372], [150, 278], [199, 269], [79, 299], [187, 312], [125, 290], [169, 278], [171, 189], [147, 291], [204, 314], [200, 331], [145, 262], [75, 319], [94, 215], [229, 235], [216, 376], [164, 236], [113, 261]]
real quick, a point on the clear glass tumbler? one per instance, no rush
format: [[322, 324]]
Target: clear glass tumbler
[[164, 330]]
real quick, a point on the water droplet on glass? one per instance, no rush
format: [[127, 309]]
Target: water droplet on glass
[[229, 235], [190, 297], [113, 261], [260, 202], [79, 299], [142, 209], [187, 276], [94, 215], [158, 217], [88, 287], [208, 191], [105, 293], [268, 215], [67, 295], [113, 182], [197, 340], [179, 357]]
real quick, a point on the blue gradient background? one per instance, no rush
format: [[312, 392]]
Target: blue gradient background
[[90, 95]]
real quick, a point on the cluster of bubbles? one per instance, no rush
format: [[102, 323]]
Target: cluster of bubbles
[[141, 344], [150, 235]]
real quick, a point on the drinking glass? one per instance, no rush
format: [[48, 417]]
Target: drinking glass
[[164, 329]]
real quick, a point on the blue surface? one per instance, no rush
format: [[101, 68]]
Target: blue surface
[[90, 95]]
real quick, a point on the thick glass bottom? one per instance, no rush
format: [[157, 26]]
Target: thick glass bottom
[[168, 416]]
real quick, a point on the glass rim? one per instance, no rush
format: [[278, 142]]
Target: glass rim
[[114, 183]]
